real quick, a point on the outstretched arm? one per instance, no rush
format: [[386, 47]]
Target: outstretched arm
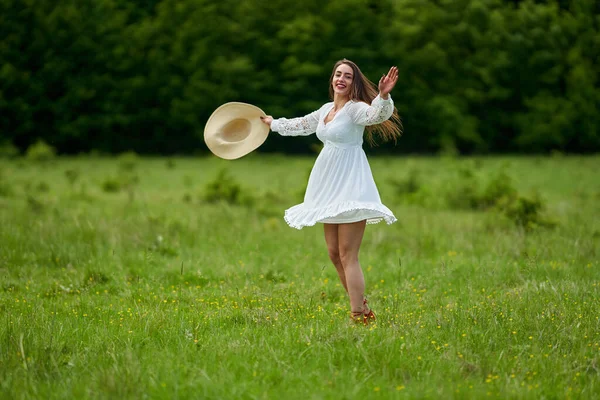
[[302, 126]]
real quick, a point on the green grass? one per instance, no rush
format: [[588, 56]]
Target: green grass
[[119, 279]]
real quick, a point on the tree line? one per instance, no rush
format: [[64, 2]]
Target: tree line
[[476, 76]]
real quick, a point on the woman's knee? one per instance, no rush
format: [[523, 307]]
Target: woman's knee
[[347, 255], [334, 255]]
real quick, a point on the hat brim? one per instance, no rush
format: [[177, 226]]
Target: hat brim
[[253, 132]]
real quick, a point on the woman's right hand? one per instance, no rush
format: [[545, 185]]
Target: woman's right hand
[[387, 82], [267, 120]]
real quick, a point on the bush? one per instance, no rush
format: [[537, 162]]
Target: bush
[[111, 185], [525, 211], [40, 151], [499, 194], [466, 194], [126, 181], [128, 161], [225, 188], [497, 190]]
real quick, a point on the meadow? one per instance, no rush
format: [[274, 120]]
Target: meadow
[[130, 277]]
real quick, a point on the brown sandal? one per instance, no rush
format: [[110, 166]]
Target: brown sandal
[[358, 317], [363, 317], [368, 313]]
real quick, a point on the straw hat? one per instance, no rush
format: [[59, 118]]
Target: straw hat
[[235, 129]]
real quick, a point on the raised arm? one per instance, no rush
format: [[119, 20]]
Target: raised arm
[[302, 126], [379, 111], [382, 106]]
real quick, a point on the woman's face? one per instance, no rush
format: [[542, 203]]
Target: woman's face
[[342, 80]]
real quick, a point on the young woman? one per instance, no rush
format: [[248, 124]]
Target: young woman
[[341, 192]]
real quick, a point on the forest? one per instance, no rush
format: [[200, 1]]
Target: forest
[[476, 76]]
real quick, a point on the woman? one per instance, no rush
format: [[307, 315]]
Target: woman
[[341, 192]]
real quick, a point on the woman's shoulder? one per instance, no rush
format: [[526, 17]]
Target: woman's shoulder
[[356, 104], [325, 106]]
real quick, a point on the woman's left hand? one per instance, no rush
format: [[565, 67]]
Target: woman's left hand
[[387, 82]]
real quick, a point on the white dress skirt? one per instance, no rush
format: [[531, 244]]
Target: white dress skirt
[[340, 188]]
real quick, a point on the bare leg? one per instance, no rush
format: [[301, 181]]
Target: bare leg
[[350, 237], [331, 237]]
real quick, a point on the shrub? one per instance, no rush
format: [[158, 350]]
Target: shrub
[[128, 161], [499, 194], [225, 188], [111, 185], [123, 182], [465, 193], [498, 189], [525, 211], [40, 151]]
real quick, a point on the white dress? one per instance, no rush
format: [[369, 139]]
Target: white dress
[[340, 188]]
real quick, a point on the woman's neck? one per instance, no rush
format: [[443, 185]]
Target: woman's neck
[[339, 101]]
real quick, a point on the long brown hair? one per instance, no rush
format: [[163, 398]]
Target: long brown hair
[[364, 90]]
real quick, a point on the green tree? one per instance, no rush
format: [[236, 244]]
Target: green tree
[[476, 75]]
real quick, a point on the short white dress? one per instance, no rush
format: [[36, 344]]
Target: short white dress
[[340, 188]]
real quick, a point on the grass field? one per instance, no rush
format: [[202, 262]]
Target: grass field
[[178, 278]]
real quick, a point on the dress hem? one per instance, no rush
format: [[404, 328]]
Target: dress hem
[[299, 217]]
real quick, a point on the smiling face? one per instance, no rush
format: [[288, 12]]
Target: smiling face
[[341, 80]]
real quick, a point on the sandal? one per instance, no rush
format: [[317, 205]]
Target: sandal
[[363, 317], [368, 313], [358, 317]]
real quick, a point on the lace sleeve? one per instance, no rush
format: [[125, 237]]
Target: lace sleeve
[[379, 111], [302, 126]]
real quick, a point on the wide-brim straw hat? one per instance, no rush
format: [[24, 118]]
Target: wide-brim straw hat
[[235, 129]]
